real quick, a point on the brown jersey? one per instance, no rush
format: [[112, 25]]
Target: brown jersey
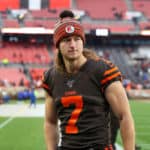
[[80, 103]]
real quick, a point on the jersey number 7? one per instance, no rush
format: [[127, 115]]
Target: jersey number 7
[[71, 127]]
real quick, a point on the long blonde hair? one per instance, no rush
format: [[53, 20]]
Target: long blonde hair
[[59, 62]]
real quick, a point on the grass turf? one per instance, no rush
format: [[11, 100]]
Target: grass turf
[[141, 115], [22, 134]]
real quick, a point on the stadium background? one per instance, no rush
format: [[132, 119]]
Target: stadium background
[[118, 30]]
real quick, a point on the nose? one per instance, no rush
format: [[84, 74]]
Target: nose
[[72, 43]]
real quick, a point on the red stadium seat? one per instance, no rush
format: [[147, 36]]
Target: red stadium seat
[[17, 53], [12, 75], [142, 6], [102, 9]]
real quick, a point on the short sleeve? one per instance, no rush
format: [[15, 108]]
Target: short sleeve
[[110, 73], [47, 81]]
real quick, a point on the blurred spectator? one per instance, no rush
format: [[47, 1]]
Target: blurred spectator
[[32, 98], [5, 96], [21, 83]]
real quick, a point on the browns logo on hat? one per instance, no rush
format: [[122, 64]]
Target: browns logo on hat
[[67, 26]]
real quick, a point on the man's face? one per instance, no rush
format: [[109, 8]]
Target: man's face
[[71, 47]]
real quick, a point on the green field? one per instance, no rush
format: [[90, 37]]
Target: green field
[[23, 133], [141, 114]]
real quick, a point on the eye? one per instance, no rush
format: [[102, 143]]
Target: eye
[[77, 38], [66, 39]]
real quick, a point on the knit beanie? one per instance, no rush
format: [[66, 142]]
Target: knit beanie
[[67, 26]]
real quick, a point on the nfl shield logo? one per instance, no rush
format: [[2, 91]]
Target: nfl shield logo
[[69, 29], [70, 83]]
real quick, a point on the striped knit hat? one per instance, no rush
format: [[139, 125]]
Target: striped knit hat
[[67, 26]]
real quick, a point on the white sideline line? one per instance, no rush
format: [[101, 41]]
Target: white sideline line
[[9, 110], [6, 122], [3, 124]]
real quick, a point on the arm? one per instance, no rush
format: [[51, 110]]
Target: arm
[[118, 101], [50, 124]]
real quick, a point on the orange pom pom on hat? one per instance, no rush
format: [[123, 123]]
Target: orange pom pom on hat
[[67, 26]]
